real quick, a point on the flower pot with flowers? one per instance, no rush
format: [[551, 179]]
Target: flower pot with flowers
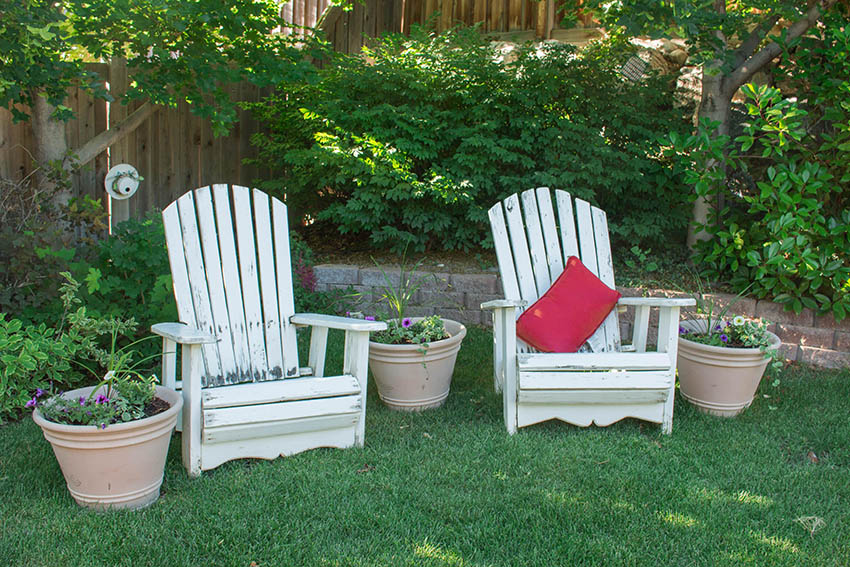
[[413, 360], [110, 439], [721, 359]]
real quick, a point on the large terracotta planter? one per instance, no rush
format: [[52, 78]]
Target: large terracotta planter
[[117, 467], [409, 380], [719, 380]]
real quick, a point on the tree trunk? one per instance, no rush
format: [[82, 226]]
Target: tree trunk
[[714, 105], [50, 148]]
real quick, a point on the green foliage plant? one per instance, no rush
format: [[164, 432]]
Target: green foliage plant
[[400, 328], [411, 142], [787, 237], [32, 359], [176, 51], [730, 40], [122, 393]]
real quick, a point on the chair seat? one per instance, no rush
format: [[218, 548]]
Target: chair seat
[[293, 389]]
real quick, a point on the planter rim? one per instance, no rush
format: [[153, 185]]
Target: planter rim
[[166, 394], [775, 341], [457, 334]]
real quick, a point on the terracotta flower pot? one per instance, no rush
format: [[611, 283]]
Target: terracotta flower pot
[[720, 380], [409, 380], [117, 467]]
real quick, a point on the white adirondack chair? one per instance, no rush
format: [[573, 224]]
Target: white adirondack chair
[[244, 393], [605, 385]]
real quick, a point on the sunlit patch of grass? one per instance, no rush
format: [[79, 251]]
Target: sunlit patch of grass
[[677, 519]]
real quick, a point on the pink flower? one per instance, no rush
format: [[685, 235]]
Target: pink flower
[[406, 322]]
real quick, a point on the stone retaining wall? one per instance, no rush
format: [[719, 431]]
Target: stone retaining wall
[[807, 337]]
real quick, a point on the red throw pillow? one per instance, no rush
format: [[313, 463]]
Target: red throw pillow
[[569, 312]]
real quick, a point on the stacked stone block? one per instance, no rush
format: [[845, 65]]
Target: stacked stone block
[[807, 337]]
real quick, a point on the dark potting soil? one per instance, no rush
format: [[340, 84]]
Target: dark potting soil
[[156, 406]]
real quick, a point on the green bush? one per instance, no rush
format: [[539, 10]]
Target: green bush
[[413, 142], [787, 233], [32, 358]]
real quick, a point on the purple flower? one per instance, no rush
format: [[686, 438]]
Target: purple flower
[[682, 330], [103, 426], [82, 400], [406, 322], [32, 403], [717, 327], [101, 399], [724, 339], [369, 318], [39, 392]]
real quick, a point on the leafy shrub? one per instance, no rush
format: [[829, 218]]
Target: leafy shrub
[[788, 235], [413, 142], [129, 274], [307, 298], [37, 241], [32, 357]]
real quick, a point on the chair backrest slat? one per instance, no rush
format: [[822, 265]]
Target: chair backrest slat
[[268, 284], [536, 247], [286, 301], [501, 242], [215, 279], [610, 329], [519, 247], [232, 286], [179, 272], [586, 241], [567, 223], [232, 278], [550, 233], [531, 256], [243, 220], [198, 284]]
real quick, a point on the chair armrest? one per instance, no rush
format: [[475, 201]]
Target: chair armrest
[[335, 322], [182, 333], [657, 301], [504, 303]]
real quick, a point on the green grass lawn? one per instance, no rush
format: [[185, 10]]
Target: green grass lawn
[[448, 487]]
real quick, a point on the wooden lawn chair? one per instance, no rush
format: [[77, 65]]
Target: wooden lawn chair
[[244, 393], [612, 381]]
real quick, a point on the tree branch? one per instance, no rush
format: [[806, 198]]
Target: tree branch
[[99, 143], [748, 47], [769, 52]]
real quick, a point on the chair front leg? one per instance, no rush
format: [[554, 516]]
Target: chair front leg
[[356, 363], [510, 387], [192, 369], [668, 341]]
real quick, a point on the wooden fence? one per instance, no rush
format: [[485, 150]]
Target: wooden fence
[[173, 150], [349, 30]]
